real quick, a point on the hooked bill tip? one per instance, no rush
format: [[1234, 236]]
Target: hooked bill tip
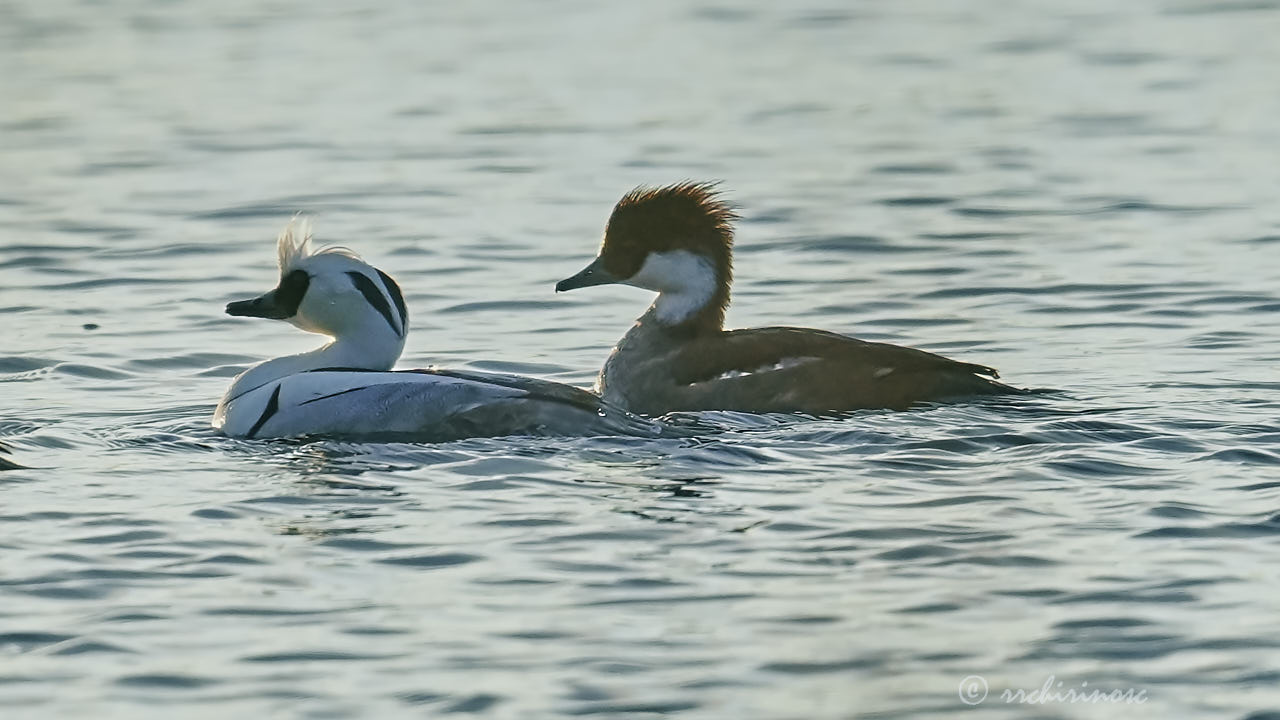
[[250, 308], [593, 274]]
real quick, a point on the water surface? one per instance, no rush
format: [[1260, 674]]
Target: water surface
[[1081, 194]]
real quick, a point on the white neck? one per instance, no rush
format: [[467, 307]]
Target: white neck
[[685, 282], [368, 351]]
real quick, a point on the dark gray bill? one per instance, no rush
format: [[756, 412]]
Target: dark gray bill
[[593, 274], [279, 304]]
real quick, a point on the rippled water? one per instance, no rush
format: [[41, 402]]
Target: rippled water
[[1082, 194]]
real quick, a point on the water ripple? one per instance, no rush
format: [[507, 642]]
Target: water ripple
[[1115, 243]]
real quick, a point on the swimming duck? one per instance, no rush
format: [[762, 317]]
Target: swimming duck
[[347, 387], [6, 463], [677, 241]]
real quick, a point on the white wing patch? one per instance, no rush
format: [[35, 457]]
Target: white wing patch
[[782, 364]]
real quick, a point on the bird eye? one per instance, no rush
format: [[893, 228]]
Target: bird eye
[[291, 290]]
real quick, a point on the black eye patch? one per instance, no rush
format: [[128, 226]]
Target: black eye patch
[[374, 296], [289, 293]]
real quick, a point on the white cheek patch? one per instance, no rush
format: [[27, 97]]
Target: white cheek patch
[[303, 320], [333, 305], [686, 281]]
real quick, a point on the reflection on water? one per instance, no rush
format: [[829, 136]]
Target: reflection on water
[[1080, 195]]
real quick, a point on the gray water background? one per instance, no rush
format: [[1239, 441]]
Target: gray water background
[[1083, 194]]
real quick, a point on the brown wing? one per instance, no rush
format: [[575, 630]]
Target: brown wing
[[788, 369]]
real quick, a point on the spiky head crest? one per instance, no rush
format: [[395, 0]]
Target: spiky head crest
[[293, 245], [689, 216]]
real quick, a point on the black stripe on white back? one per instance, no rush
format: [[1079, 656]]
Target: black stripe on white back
[[396, 297], [375, 297], [334, 395]]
